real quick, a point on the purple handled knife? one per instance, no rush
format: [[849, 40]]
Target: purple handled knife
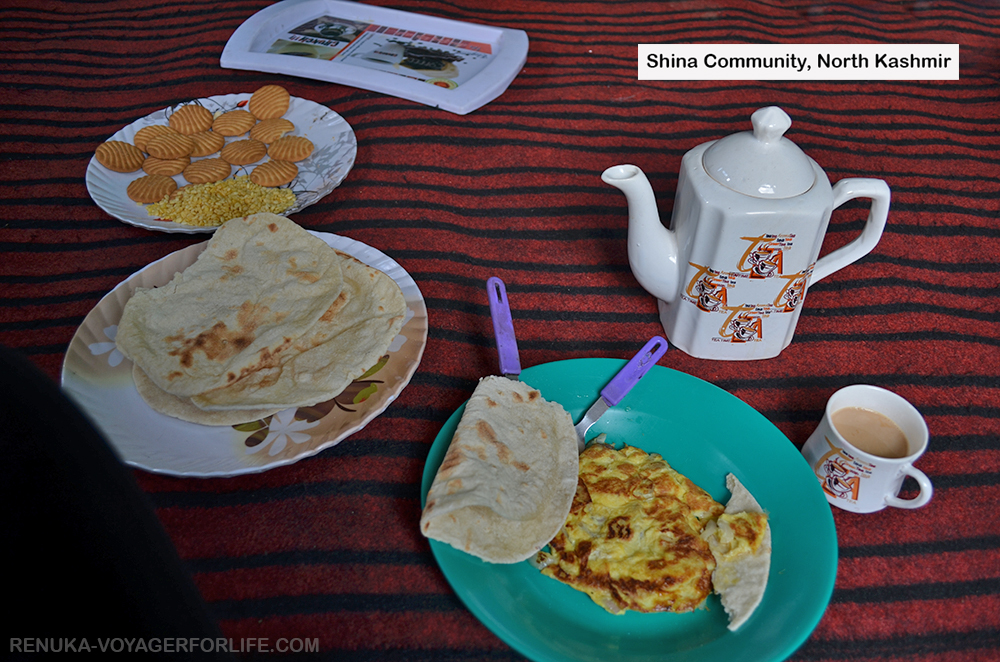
[[621, 384], [503, 329]]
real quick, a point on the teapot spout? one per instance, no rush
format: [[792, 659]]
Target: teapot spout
[[652, 249]]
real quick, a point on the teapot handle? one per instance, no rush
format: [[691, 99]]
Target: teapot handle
[[849, 189]]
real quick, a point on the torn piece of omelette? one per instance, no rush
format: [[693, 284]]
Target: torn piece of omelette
[[633, 536]]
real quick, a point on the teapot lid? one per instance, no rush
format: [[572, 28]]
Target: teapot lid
[[761, 163]]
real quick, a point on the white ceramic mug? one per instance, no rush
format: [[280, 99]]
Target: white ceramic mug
[[858, 480]]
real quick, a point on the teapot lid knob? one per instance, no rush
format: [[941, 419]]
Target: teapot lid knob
[[761, 163], [770, 123]]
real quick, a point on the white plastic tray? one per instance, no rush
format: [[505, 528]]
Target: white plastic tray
[[383, 50]]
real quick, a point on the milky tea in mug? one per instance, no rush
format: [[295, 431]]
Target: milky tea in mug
[[864, 447], [870, 431]]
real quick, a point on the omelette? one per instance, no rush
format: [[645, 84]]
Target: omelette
[[633, 539]]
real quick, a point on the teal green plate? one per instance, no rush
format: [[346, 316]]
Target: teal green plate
[[705, 433]]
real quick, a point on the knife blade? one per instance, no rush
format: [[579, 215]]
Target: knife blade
[[620, 385]]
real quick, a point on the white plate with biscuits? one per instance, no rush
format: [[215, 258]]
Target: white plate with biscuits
[[331, 159]]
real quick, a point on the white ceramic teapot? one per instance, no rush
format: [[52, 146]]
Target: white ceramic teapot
[[749, 218]]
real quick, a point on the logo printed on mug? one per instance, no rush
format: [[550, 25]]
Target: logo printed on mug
[[863, 448], [840, 474]]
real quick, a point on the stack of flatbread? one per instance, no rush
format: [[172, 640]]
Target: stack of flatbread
[[506, 484], [269, 317]]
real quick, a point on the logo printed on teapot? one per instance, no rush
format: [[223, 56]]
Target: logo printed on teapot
[[763, 259], [708, 289], [714, 290], [794, 291], [744, 324]]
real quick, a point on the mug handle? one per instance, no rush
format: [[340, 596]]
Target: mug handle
[[849, 189], [926, 491]]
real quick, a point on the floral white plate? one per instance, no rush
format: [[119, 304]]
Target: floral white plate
[[333, 157], [99, 379]]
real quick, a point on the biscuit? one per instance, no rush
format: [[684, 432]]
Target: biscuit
[[207, 142], [190, 119], [274, 173], [290, 148], [151, 188], [206, 171], [147, 133], [244, 152], [170, 146], [119, 156], [269, 102], [233, 123], [268, 131], [168, 167]]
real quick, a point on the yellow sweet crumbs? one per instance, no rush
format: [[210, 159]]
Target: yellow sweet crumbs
[[212, 204]]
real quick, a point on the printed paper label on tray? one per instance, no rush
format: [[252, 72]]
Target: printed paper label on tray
[[445, 61]]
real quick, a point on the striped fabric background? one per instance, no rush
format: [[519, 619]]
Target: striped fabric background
[[329, 547]]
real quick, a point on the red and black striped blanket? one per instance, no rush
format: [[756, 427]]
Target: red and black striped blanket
[[328, 548]]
